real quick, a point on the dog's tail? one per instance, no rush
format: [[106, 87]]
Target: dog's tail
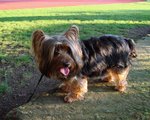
[[132, 47]]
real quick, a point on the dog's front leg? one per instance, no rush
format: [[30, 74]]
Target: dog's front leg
[[77, 89]]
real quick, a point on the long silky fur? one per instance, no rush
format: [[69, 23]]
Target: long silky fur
[[47, 49], [92, 56], [105, 52]]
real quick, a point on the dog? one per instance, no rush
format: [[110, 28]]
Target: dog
[[64, 57]]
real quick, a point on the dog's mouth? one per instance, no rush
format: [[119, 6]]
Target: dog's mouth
[[65, 71]]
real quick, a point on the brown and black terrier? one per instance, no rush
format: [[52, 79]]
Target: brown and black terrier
[[66, 58]]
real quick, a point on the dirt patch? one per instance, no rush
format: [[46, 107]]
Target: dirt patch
[[22, 80], [138, 33]]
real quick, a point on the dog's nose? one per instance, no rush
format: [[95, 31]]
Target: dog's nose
[[67, 64]]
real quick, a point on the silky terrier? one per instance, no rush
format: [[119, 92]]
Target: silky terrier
[[64, 57]]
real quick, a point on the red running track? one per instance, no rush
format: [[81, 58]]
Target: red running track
[[23, 4]]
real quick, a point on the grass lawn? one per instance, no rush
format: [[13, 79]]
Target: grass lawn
[[16, 26]]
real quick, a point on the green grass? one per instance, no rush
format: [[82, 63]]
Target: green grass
[[3, 87], [16, 26]]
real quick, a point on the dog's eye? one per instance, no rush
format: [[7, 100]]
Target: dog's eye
[[56, 53], [69, 51], [120, 66]]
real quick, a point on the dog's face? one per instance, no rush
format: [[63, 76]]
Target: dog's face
[[59, 57]]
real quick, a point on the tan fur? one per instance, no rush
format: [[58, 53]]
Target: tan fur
[[119, 78], [76, 88], [37, 38]]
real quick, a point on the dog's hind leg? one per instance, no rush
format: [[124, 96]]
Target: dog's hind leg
[[119, 78]]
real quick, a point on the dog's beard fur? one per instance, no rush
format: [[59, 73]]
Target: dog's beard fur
[[64, 57]]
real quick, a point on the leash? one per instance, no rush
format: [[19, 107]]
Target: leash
[[35, 88]]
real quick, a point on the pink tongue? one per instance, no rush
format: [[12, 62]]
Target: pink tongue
[[65, 71]]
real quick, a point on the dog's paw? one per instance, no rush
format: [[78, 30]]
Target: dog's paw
[[121, 89], [70, 99]]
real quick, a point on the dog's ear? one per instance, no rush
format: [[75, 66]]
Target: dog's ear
[[72, 33], [37, 37]]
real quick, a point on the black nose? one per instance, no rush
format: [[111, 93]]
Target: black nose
[[67, 64]]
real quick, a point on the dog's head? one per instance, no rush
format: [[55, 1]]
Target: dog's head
[[60, 56]]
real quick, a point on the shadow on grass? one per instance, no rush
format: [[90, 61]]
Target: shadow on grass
[[133, 15], [17, 41]]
